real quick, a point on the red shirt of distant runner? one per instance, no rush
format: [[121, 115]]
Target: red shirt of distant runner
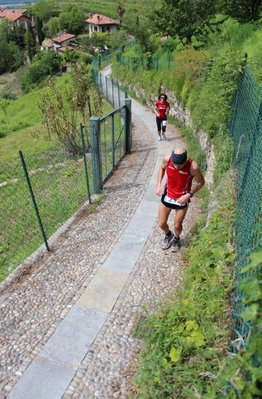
[[162, 106]]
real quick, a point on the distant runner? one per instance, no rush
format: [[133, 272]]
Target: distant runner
[[161, 109]]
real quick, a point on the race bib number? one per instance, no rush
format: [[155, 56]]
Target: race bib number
[[172, 201]]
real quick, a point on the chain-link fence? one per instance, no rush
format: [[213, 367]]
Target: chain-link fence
[[40, 193], [114, 93], [246, 131], [58, 189]]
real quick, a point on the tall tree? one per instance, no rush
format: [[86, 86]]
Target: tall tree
[[243, 10], [29, 40], [183, 18], [120, 11], [72, 19], [53, 26], [12, 56], [39, 30], [41, 9], [11, 32]]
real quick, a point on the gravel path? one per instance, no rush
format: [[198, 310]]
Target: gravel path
[[34, 305]]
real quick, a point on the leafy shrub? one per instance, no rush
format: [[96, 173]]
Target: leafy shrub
[[185, 340]]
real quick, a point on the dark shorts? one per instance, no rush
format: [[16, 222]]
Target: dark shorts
[[172, 206], [159, 123]]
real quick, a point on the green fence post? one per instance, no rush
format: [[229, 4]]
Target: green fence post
[[85, 164], [96, 153], [33, 200], [128, 131]]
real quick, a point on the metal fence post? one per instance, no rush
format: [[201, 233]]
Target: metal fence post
[[85, 163], [128, 130], [96, 153], [33, 200]]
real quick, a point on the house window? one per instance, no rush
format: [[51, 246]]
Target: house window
[[95, 28], [106, 28]]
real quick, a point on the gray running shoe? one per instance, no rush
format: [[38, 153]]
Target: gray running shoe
[[167, 241], [175, 245]]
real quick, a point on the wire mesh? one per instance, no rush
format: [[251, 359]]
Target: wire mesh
[[246, 132], [59, 188], [112, 139], [61, 184]]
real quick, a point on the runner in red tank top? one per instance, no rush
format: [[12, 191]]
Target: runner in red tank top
[[180, 172], [161, 109]]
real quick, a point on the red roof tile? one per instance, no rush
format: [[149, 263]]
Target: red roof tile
[[64, 37], [98, 19], [13, 15]]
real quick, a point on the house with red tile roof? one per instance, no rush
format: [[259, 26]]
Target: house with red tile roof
[[101, 23], [60, 42], [18, 16]]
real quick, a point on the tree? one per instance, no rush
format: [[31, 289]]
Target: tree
[[118, 38], [42, 10], [10, 32], [120, 11], [44, 64], [183, 18], [141, 29], [73, 20], [82, 89], [53, 26], [243, 10], [29, 40], [39, 30], [11, 57], [62, 110]]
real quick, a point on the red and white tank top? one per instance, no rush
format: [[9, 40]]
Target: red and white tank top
[[179, 181]]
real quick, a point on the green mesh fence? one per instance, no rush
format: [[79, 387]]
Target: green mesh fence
[[113, 92], [246, 131], [59, 187], [61, 183], [113, 140]]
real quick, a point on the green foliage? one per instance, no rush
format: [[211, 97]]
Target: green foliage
[[53, 26], [42, 10], [11, 57], [183, 18], [224, 152], [72, 19], [216, 87], [243, 10], [185, 340], [244, 372], [44, 64]]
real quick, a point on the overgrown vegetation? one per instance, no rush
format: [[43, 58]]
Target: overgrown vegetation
[[185, 340]]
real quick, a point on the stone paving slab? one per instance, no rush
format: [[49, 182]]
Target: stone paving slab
[[103, 291], [43, 380], [74, 335]]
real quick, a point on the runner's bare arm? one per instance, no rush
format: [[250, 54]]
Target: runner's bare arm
[[161, 174], [199, 178]]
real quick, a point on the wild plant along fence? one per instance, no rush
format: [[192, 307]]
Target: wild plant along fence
[[246, 132], [40, 193]]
